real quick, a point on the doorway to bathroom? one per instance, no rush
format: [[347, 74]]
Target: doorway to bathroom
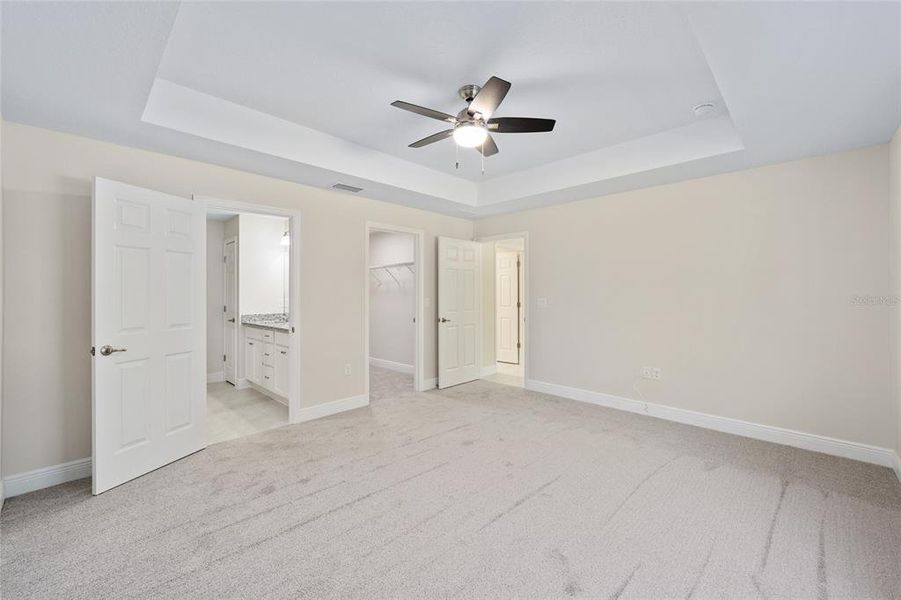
[[249, 355]]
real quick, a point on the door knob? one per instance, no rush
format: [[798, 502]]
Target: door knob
[[107, 350], [232, 320], [443, 320]]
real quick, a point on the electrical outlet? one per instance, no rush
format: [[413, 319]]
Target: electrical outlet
[[347, 369], [656, 373], [646, 372]]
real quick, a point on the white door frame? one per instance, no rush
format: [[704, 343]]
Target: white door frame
[[419, 383], [294, 307], [526, 259]]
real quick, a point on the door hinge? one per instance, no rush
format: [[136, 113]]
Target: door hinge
[[224, 309], [224, 259], [518, 304], [517, 263], [517, 345], [93, 351], [223, 358]]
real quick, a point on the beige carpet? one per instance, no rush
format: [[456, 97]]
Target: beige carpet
[[480, 491]]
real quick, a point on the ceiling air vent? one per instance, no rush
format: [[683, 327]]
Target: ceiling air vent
[[347, 188]]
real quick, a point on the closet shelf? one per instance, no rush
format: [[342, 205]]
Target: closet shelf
[[387, 269]]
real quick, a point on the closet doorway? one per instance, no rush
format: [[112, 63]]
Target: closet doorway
[[393, 310]]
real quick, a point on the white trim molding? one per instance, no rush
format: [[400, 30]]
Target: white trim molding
[[15, 485], [429, 384], [390, 365], [334, 407], [215, 377], [777, 435]]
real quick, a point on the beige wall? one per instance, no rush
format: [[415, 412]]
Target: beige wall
[[215, 297], [739, 287], [47, 188], [895, 191]]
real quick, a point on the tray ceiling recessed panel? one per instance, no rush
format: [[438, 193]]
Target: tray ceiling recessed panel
[[302, 90], [608, 72]]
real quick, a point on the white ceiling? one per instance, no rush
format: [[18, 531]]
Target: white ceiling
[[301, 91], [336, 70]]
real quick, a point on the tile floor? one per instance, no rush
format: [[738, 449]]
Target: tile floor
[[234, 413], [507, 374]]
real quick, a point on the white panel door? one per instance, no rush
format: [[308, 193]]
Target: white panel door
[[507, 295], [459, 311], [231, 301], [149, 331]]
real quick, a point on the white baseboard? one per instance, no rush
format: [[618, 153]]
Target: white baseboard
[[242, 384], [897, 465], [331, 408], [429, 384], [391, 365], [15, 485], [489, 371], [798, 439], [215, 377]]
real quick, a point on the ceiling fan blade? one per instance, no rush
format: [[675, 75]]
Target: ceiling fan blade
[[489, 148], [489, 97], [425, 112], [520, 125], [435, 137]]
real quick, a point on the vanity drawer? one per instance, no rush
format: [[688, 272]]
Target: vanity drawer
[[266, 335], [282, 338], [253, 333], [267, 354], [267, 377]]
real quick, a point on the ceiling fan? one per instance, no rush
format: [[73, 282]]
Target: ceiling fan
[[473, 126]]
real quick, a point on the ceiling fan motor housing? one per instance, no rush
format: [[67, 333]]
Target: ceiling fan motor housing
[[469, 91]]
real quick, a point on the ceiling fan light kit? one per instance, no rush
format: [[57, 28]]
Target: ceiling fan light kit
[[470, 135], [473, 126]]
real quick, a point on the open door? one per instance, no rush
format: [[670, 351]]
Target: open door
[[508, 306], [230, 327], [459, 311], [149, 328]]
